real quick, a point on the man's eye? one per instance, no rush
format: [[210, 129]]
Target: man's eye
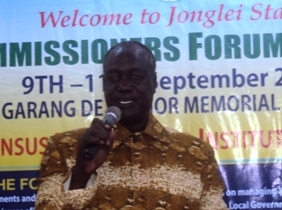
[[113, 77], [137, 77]]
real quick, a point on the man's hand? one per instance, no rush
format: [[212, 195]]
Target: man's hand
[[98, 135]]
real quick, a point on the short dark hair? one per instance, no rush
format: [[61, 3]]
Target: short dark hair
[[148, 56]]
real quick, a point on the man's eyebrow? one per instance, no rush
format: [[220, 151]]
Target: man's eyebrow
[[110, 70], [135, 69]]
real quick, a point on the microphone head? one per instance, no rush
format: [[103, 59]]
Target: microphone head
[[113, 110]]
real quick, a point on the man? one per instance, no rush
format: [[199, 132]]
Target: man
[[140, 165]]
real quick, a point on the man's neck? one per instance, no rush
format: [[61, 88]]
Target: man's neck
[[136, 126]]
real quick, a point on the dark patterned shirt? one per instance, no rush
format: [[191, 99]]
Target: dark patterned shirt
[[158, 168]]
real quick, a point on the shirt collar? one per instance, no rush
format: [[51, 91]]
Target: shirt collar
[[153, 129]]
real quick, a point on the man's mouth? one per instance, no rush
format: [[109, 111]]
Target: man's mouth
[[126, 102]]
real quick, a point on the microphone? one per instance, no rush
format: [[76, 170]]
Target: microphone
[[112, 116]]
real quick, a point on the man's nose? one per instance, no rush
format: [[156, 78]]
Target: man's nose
[[125, 88], [125, 85]]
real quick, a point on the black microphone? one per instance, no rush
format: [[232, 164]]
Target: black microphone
[[112, 116]]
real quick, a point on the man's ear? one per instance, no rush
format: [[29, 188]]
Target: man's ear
[[103, 82], [155, 81]]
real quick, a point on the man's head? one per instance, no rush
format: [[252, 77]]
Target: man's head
[[130, 82]]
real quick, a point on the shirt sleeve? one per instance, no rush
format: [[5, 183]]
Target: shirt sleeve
[[55, 170], [213, 186]]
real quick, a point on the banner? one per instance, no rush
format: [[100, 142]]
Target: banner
[[219, 77]]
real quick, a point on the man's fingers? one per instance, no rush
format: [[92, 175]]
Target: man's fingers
[[111, 138], [91, 140]]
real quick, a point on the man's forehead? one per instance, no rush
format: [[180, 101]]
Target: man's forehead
[[123, 55], [129, 55], [126, 50]]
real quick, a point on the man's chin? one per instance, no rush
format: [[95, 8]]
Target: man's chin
[[128, 114]]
